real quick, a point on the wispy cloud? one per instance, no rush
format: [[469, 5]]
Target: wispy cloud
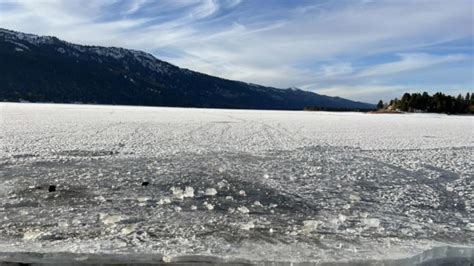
[[410, 62], [361, 49]]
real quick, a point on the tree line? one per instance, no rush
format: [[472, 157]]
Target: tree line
[[436, 103]]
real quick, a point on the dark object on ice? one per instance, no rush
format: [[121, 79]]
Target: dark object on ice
[[52, 188], [145, 183]]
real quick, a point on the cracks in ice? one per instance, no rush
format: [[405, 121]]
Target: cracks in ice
[[319, 195]]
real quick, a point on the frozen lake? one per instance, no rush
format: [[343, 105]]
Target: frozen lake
[[235, 184]]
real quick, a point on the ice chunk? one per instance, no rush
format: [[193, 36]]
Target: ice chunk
[[257, 203], [32, 235], [247, 226], [177, 193], [188, 192], [342, 218], [470, 227], [354, 198], [222, 184], [63, 223], [194, 207], [242, 193], [128, 229], [109, 219], [164, 201], [229, 198], [76, 221], [266, 176], [309, 226], [449, 188], [350, 230], [100, 198], [167, 259], [371, 222], [243, 209], [143, 199], [210, 192], [208, 206]]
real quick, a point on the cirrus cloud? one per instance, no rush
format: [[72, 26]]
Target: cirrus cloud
[[364, 50]]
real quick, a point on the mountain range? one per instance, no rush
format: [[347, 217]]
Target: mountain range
[[46, 69]]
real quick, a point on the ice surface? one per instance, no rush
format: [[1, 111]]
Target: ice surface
[[310, 226], [208, 205], [247, 226], [243, 209], [211, 192], [188, 192], [316, 186]]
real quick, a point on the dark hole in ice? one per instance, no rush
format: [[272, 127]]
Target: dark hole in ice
[[52, 188], [145, 183]]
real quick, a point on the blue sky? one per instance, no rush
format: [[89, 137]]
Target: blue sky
[[358, 49]]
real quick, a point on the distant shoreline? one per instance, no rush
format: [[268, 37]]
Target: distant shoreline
[[237, 109]]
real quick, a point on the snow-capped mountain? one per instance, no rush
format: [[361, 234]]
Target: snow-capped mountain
[[46, 69]]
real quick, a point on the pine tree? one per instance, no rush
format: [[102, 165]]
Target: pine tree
[[380, 105], [438, 103]]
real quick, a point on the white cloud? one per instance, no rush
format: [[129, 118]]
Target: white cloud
[[369, 92], [317, 47], [204, 9], [410, 62]]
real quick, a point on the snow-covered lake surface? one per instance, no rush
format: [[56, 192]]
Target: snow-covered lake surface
[[234, 185]]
